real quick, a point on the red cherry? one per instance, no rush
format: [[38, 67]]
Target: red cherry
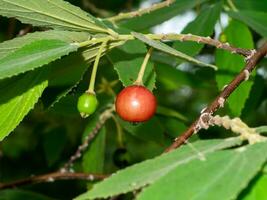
[[136, 104]]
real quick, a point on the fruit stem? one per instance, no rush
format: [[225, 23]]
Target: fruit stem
[[139, 80], [91, 88]]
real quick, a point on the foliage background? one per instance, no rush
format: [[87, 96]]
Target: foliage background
[[50, 134]]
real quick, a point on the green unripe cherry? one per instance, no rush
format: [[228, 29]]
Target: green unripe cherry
[[87, 104]]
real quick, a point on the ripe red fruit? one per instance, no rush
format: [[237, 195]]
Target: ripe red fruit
[[136, 104]]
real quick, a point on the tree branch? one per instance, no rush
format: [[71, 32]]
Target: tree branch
[[140, 12], [90, 137], [51, 177], [203, 120]]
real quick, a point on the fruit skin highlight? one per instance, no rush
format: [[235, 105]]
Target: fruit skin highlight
[[136, 104], [87, 104]]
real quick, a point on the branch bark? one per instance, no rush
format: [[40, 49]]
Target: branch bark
[[90, 137], [51, 177], [202, 121]]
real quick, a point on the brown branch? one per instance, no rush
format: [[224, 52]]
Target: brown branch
[[51, 177], [90, 137], [202, 121]]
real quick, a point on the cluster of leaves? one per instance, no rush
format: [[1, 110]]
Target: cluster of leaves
[[51, 67]]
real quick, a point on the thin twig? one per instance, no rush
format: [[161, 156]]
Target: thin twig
[[100, 12], [51, 177], [140, 12], [90, 137], [202, 40], [202, 121], [175, 37]]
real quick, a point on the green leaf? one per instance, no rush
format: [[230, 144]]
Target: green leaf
[[254, 98], [20, 95], [156, 17], [230, 65], [64, 75], [221, 176], [251, 5], [203, 25], [256, 189], [33, 55], [127, 61], [68, 70], [149, 171], [143, 130], [171, 78], [174, 127], [10, 46], [93, 158], [56, 14], [167, 49], [256, 20], [170, 113], [16, 194]]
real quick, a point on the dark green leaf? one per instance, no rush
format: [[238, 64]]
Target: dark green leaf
[[16, 194], [143, 130], [170, 113], [53, 144], [93, 158], [256, 20], [203, 25], [230, 65], [251, 5]]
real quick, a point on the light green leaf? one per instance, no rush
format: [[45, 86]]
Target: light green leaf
[[94, 156], [56, 14], [33, 55], [203, 25], [256, 20], [256, 189], [167, 49], [20, 95], [221, 176], [230, 65], [159, 16], [149, 171], [10, 46], [127, 61]]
